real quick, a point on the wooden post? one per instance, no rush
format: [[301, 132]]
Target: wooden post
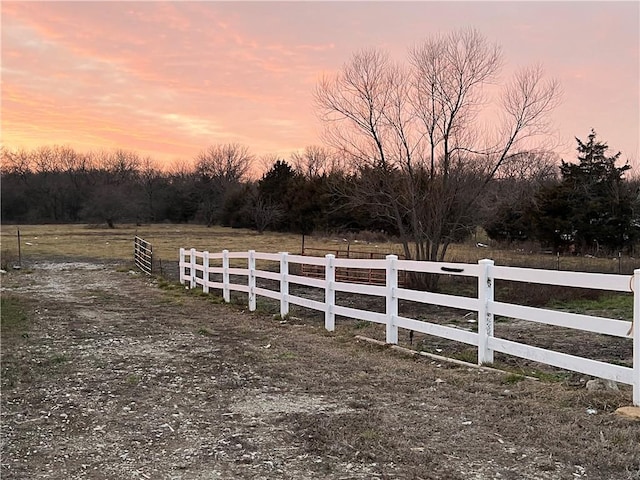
[[485, 318], [636, 337], [284, 284], [226, 291], [330, 293], [620, 262], [19, 250], [392, 299], [252, 280], [181, 267], [192, 268], [205, 273]]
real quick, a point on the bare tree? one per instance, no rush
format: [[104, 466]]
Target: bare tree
[[229, 162], [448, 76], [16, 162], [411, 133], [265, 214], [220, 168], [315, 161], [150, 178]]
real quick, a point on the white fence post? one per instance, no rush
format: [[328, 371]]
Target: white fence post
[[284, 284], [193, 269], [181, 267], [226, 292], [636, 337], [485, 319], [329, 292], [205, 273], [392, 299], [252, 280]]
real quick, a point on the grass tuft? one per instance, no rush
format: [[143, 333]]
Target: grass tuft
[[14, 318], [512, 378]]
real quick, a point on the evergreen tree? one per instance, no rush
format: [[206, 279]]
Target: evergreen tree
[[591, 208]]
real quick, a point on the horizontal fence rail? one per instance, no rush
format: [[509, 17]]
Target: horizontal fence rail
[[143, 255], [196, 269]]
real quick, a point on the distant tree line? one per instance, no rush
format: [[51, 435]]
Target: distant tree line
[[584, 207], [60, 185]]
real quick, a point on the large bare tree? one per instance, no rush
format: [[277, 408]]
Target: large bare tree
[[418, 150]]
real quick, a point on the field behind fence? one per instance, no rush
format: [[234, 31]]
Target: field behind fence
[[102, 243]]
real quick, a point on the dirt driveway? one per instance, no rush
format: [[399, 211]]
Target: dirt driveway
[[117, 378]]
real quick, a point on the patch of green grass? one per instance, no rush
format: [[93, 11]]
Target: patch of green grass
[[361, 324], [618, 306], [13, 316], [204, 332], [547, 376], [132, 380], [468, 355], [165, 284], [216, 300], [266, 307], [513, 378], [287, 356], [196, 292], [369, 434]]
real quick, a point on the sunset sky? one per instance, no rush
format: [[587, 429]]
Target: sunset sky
[[169, 79]]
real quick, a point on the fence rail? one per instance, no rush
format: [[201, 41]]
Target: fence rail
[[143, 255], [196, 269]]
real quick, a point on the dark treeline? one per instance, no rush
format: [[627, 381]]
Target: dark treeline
[[60, 185], [584, 207]]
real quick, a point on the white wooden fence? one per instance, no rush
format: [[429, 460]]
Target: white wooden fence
[[197, 267]]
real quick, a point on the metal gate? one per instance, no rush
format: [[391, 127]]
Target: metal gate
[[143, 255]]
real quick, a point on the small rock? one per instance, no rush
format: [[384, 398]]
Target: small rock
[[599, 385], [632, 413]]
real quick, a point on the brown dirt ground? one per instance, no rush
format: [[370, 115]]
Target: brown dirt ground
[[121, 379]]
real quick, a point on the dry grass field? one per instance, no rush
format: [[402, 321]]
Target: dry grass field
[[41, 241], [100, 242]]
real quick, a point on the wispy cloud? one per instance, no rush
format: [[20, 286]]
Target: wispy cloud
[[171, 78]]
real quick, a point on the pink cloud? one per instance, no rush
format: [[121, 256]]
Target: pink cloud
[[175, 77]]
